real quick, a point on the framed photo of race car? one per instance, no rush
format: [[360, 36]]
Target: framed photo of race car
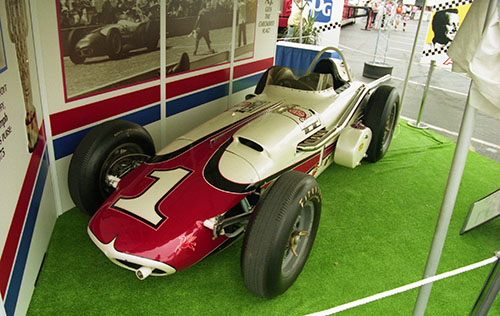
[[249, 171], [98, 39]]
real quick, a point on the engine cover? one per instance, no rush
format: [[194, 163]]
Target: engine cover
[[352, 145]]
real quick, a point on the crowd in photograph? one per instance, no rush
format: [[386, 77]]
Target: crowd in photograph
[[97, 12], [75, 13], [185, 8]]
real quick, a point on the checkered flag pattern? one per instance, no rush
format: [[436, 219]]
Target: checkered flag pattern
[[311, 127], [435, 51], [328, 27], [451, 4]]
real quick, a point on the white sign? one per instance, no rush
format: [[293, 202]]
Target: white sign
[[482, 211]]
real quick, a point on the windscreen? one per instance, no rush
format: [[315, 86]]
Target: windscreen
[[284, 77]]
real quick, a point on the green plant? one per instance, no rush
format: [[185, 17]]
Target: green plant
[[309, 32]]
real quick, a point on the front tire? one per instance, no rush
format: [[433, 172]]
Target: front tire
[[280, 234], [114, 44], [381, 116], [104, 145], [73, 38], [76, 58], [152, 35]]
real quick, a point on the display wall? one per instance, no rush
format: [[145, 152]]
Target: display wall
[[26, 193], [66, 66]]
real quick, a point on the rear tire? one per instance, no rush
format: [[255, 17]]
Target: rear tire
[[76, 58], [381, 116], [96, 153], [276, 246], [376, 70]]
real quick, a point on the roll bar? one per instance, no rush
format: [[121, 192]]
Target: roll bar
[[321, 53]]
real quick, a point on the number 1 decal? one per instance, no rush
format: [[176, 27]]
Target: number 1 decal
[[145, 205]]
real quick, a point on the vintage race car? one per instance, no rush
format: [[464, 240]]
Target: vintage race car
[[249, 170], [116, 40]]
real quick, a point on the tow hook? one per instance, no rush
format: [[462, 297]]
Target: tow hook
[[143, 272]]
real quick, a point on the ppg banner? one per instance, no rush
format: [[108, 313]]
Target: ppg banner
[[328, 16]]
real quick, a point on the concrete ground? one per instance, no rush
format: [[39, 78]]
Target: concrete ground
[[448, 91]]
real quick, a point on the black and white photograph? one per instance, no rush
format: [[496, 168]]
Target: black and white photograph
[[199, 32], [107, 44]]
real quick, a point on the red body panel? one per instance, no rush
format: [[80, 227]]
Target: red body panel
[[180, 240]]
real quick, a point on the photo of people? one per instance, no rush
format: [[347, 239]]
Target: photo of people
[[199, 33], [107, 44]]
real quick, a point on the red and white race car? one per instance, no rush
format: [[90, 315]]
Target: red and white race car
[[249, 170]]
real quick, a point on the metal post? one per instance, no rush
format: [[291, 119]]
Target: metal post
[[412, 55], [379, 33], [424, 97], [387, 43], [489, 292], [300, 25], [231, 55], [376, 46], [450, 195]]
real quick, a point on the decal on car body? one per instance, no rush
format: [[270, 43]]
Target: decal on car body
[[249, 107], [307, 119], [145, 205]]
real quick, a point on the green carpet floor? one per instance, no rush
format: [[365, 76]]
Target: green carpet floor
[[376, 228]]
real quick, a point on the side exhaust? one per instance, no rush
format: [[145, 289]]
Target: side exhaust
[[143, 272]]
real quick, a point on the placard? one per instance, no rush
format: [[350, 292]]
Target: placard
[[446, 19], [482, 211]]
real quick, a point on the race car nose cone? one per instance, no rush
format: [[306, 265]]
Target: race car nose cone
[[143, 272]]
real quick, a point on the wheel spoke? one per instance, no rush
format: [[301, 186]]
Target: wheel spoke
[[294, 240]]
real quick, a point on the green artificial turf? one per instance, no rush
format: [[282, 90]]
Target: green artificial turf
[[376, 229]]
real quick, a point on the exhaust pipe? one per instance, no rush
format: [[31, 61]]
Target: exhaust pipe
[[143, 272]]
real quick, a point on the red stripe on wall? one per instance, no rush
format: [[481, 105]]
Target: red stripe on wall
[[85, 115], [16, 226], [81, 116], [190, 84], [250, 68]]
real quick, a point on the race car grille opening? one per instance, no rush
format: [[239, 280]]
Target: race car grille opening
[[251, 144], [136, 266]]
